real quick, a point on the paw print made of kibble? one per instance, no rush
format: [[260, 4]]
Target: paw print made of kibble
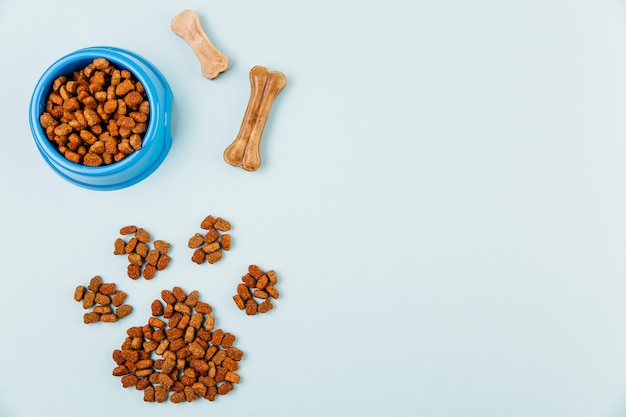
[[142, 260]]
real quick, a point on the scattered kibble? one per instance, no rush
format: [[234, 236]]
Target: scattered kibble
[[256, 285], [142, 259], [210, 244], [105, 301]]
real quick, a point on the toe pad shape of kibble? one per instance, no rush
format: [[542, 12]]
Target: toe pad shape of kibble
[[256, 285], [96, 115], [104, 299], [179, 352], [142, 260], [209, 246]]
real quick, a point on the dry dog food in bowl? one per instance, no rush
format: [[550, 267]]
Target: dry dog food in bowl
[[101, 117]]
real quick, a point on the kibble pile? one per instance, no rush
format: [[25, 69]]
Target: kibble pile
[[179, 352]]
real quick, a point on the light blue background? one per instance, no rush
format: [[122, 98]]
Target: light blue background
[[442, 194]]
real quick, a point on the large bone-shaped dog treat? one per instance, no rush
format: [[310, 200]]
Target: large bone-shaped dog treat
[[187, 25], [245, 149]]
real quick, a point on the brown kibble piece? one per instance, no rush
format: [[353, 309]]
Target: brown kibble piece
[[222, 224], [161, 246], [102, 309], [109, 318], [120, 370], [177, 397], [107, 289], [265, 306], [232, 377], [272, 291], [217, 337], [89, 300], [94, 283], [234, 353], [157, 308], [135, 259], [123, 311], [127, 230], [230, 364], [142, 235], [179, 294], [152, 257], [190, 395], [211, 393], [262, 282], [160, 393], [102, 299], [207, 223], [260, 294], [209, 323], [196, 320], [255, 271], [163, 262], [214, 256], [225, 242], [118, 298], [142, 249], [174, 333], [211, 247], [168, 297], [91, 317], [130, 245], [228, 340], [249, 281], [192, 298], [79, 293], [218, 358], [199, 389], [271, 275], [195, 241], [225, 388], [129, 380], [149, 394], [244, 292], [198, 256], [251, 307], [133, 271], [118, 246], [149, 271], [211, 235], [202, 307], [239, 301]]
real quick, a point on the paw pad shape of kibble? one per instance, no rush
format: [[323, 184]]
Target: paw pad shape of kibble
[[104, 300], [178, 352], [257, 289], [209, 246], [142, 260]]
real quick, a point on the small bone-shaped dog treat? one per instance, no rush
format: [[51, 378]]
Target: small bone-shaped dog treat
[[245, 149], [187, 25]]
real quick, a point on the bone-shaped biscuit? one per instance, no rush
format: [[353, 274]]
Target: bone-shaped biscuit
[[187, 25], [245, 149]]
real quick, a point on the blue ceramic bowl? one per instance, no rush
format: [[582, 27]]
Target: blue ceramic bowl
[[157, 139]]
